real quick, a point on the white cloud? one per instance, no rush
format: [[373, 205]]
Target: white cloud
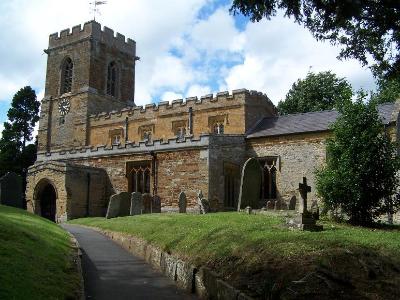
[[169, 96], [198, 90], [278, 52]]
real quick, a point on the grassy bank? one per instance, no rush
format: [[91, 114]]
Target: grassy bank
[[258, 254], [35, 258]]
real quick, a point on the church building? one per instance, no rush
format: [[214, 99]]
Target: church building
[[93, 140]]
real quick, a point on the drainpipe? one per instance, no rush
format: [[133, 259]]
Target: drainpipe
[[126, 129], [190, 121], [154, 171]]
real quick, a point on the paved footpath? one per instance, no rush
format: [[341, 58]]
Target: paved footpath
[[111, 272]]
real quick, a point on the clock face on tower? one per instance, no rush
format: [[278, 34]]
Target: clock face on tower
[[64, 106]]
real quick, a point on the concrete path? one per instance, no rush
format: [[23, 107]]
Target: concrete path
[[111, 272]]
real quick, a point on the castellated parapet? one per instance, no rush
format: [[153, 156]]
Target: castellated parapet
[[179, 105], [92, 30]]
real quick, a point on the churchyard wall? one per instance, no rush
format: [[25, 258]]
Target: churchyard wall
[[298, 156]]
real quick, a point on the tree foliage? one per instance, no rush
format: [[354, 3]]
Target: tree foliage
[[316, 92], [359, 176], [15, 154], [388, 91], [364, 28]]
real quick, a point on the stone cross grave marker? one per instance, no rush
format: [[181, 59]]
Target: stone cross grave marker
[[305, 220], [136, 204], [119, 205], [182, 202], [304, 189], [250, 184], [11, 190]]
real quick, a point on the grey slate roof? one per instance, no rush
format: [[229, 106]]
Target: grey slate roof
[[306, 122]]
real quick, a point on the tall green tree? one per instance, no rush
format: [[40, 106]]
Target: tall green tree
[[359, 178], [320, 91], [15, 154], [388, 91], [363, 28]]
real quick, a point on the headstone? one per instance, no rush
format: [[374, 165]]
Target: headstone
[[248, 210], [305, 220], [156, 204], [250, 184], [147, 203], [11, 190], [119, 205], [270, 204], [292, 203], [204, 206], [278, 205], [315, 210], [136, 204], [182, 202]]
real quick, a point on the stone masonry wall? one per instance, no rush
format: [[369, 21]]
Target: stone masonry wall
[[224, 150], [161, 119], [39, 175], [176, 171], [298, 156], [182, 171]]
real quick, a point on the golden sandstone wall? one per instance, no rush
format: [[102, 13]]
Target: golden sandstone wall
[[163, 119]]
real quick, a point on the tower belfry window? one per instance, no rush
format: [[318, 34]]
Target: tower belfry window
[[112, 79], [67, 71]]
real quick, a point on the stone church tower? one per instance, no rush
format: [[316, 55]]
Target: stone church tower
[[89, 70]]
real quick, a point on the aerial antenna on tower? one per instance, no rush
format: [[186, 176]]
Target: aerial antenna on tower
[[94, 7]]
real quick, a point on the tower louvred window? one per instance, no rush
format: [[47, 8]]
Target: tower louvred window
[[111, 79], [67, 76]]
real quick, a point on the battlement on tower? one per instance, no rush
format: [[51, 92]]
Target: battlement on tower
[[92, 30]]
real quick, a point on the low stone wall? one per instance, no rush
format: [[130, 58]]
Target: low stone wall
[[199, 280], [77, 261]]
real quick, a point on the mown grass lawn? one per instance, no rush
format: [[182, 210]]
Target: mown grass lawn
[[249, 248], [35, 258]]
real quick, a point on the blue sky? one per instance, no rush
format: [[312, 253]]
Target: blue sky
[[187, 48]]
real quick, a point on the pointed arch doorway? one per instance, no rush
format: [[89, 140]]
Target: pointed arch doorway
[[46, 198]]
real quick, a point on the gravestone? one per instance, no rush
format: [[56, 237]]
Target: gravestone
[[147, 203], [248, 210], [156, 204], [204, 206], [119, 205], [305, 220], [292, 203], [270, 204], [250, 184], [136, 204], [11, 190], [315, 210], [182, 202], [278, 205]]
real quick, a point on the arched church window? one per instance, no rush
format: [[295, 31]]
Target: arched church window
[[139, 177], [112, 79], [269, 178], [66, 78]]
